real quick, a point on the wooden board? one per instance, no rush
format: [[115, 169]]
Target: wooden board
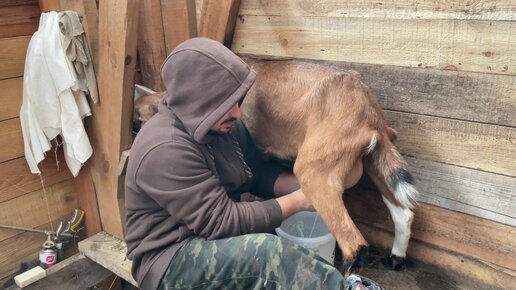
[[12, 140], [471, 45], [179, 22], [74, 273], [38, 208], [473, 145], [477, 97], [425, 9], [483, 194], [109, 252], [11, 98], [6, 3], [151, 44], [16, 178], [468, 235], [12, 56], [218, 20], [19, 20]]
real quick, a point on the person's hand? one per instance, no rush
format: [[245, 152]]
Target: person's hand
[[293, 203]]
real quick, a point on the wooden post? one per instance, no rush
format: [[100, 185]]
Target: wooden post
[[151, 44], [179, 21], [110, 132], [218, 20], [113, 37]]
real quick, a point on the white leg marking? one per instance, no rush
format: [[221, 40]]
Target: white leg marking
[[402, 218]]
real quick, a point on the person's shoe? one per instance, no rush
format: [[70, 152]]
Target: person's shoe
[[357, 282]]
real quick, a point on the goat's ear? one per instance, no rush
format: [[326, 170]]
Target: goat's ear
[[393, 135], [153, 108]]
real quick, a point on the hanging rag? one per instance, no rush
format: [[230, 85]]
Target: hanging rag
[[52, 104], [77, 52]]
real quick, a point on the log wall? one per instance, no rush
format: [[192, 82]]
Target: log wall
[[444, 73]]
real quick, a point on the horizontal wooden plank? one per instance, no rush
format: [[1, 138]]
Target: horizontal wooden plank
[[483, 194], [12, 140], [477, 97], [37, 208], [19, 20], [18, 29], [474, 145], [22, 250], [472, 272], [11, 98], [468, 235], [425, 9], [6, 3], [12, 56], [476, 46], [16, 178], [74, 273]]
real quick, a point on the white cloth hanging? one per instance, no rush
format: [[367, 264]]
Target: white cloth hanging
[[52, 103]]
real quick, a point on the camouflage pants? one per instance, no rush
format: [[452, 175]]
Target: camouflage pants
[[254, 261]]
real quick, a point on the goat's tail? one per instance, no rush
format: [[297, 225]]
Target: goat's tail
[[392, 168]]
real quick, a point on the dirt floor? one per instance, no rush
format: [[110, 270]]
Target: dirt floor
[[416, 276]]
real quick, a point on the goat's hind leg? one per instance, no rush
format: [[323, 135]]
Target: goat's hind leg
[[402, 218]]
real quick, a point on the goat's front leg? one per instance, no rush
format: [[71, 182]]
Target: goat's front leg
[[324, 188]]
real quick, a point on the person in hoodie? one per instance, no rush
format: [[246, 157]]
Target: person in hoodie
[[185, 226]]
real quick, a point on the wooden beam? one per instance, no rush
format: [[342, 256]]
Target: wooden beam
[[117, 59], [179, 22], [74, 273], [218, 20], [151, 43], [109, 252]]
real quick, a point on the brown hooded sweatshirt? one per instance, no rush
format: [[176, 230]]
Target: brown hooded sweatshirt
[[182, 181]]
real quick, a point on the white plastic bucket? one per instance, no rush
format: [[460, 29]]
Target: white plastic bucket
[[308, 230]]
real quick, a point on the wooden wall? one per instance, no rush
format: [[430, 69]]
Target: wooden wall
[[444, 72], [25, 200]]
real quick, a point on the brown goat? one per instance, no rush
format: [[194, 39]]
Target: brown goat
[[329, 123], [332, 126]]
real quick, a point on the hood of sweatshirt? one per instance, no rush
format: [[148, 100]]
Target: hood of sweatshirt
[[203, 80]]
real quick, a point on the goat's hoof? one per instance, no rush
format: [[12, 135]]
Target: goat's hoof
[[396, 263], [357, 265]]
